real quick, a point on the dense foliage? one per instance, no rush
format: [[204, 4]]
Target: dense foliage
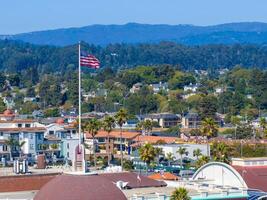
[[15, 56]]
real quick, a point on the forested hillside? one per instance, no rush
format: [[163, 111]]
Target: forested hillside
[[17, 56], [133, 33]]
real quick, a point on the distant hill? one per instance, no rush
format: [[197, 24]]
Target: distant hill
[[133, 33]]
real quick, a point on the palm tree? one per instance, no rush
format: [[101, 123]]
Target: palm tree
[[12, 143], [209, 128], [93, 127], [220, 152], [170, 157], [108, 125], [158, 153], [180, 194], [181, 151], [263, 125], [147, 154], [202, 161], [197, 153], [145, 126], [121, 118], [20, 145]]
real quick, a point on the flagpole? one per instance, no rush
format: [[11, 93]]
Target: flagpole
[[79, 118]]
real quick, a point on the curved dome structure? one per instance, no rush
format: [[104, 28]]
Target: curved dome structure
[[82, 187], [218, 173]]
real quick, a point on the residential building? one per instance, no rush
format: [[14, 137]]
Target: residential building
[[191, 120], [164, 120], [173, 148], [27, 131], [136, 87], [191, 87], [102, 141], [159, 86]]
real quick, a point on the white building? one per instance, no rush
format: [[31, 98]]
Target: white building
[[173, 148], [191, 87]]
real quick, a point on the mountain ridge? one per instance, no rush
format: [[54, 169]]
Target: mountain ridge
[[134, 33]]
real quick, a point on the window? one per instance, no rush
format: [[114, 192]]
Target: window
[[74, 131], [27, 125], [51, 132], [19, 125], [31, 136], [68, 154], [1, 133], [4, 147], [32, 146], [68, 145], [39, 136]]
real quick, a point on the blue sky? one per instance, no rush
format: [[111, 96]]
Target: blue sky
[[17, 16]]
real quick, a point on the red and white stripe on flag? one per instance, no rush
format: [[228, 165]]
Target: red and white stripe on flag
[[89, 61]]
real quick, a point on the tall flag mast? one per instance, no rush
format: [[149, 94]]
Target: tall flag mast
[[89, 61]]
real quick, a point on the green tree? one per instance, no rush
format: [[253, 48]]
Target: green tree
[[209, 128], [197, 153], [202, 160], [52, 112], [121, 117], [92, 127], [146, 126], [220, 152], [128, 165], [108, 125], [147, 154], [180, 194], [207, 107], [181, 151], [170, 157], [2, 106]]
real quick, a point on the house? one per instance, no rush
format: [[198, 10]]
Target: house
[[29, 99], [191, 87], [191, 120], [63, 138], [136, 87], [102, 141], [159, 86], [28, 131], [98, 93], [165, 120]]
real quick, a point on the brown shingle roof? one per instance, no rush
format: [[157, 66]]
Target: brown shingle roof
[[80, 187]]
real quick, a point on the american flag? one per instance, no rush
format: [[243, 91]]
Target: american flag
[[89, 61]]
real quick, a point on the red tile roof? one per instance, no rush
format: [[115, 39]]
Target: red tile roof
[[115, 134], [254, 176], [30, 129], [164, 176], [154, 139]]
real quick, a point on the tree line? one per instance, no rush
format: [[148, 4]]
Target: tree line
[[18, 56]]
